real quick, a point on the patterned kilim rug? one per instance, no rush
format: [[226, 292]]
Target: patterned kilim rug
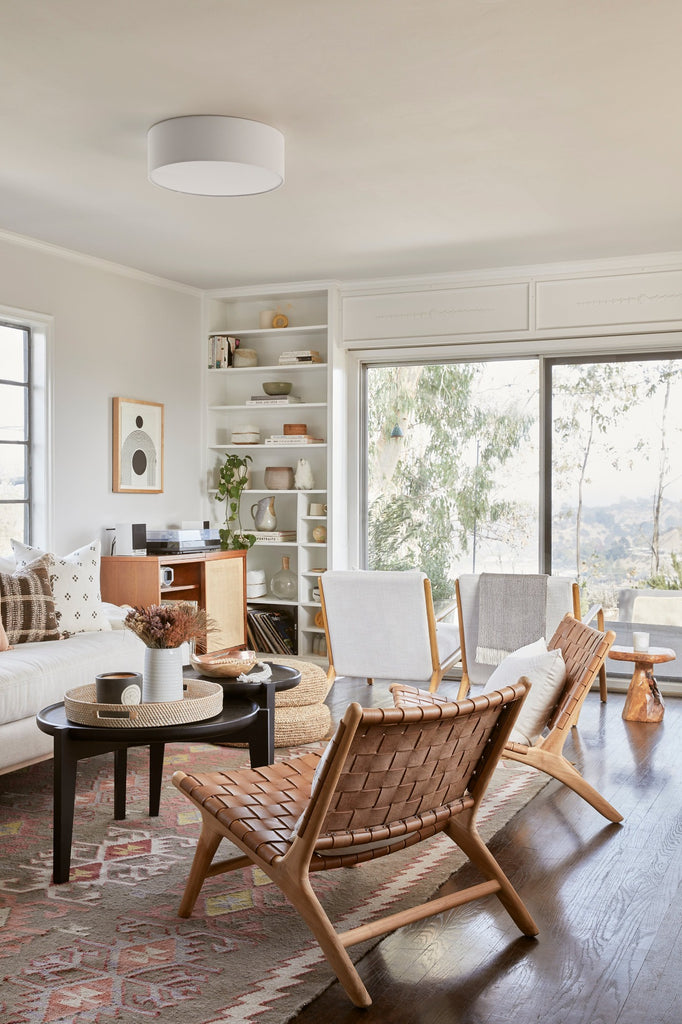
[[108, 945]]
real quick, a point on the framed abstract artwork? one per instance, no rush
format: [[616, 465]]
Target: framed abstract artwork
[[138, 446]]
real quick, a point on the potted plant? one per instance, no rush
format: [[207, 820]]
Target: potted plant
[[163, 629], [232, 479]]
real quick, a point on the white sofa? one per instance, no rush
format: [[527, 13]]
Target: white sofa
[[33, 675]]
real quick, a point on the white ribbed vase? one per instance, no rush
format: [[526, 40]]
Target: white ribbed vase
[[162, 680]]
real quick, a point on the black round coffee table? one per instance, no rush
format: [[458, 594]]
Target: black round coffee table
[[240, 720], [283, 677]]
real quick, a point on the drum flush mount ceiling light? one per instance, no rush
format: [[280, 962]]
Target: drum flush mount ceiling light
[[211, 155]]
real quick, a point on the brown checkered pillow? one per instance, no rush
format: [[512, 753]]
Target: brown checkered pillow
[[27, 605]]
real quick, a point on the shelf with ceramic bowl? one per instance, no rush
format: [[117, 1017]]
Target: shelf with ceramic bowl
[[270, 367], [280, 346], [265, 407], [256, 444]]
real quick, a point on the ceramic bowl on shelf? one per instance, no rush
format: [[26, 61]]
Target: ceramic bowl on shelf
[[279, 478], [227, 663], [245, 357], [277, 387]]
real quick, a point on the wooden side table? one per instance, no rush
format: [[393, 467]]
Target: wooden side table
[[643, 702]]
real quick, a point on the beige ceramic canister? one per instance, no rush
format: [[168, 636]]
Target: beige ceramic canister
[[279, 478]]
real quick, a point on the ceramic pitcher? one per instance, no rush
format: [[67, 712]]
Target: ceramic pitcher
[[263, 513]]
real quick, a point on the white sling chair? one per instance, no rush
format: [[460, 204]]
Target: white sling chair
[[381, 625]]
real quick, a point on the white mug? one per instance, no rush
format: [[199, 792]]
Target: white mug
[[316, 509]]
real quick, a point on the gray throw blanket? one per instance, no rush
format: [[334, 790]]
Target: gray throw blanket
[[512, 612]]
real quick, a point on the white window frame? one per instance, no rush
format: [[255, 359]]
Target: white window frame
[[41, 433]]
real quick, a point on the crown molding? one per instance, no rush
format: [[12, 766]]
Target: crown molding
[[98, 263]]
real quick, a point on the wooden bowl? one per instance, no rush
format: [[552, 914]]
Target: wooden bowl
[[228, 663]]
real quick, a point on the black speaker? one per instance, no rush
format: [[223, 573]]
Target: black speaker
[[139, 531]]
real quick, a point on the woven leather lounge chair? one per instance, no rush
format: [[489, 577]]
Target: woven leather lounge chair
[[388, 779], [584, 651]]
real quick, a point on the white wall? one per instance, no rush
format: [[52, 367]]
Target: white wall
[[114, 334]]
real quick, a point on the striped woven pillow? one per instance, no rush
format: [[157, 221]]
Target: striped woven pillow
[[27, 605]]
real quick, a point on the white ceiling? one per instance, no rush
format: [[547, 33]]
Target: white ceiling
[[421, 135]]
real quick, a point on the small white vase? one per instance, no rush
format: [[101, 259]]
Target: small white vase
[[162, 679]]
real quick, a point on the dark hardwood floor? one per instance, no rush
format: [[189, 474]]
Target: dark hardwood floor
[[607, 899]]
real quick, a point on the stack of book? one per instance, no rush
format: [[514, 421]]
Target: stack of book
[[271, 632], [300, 355], [274, 536], [293, 439], [272, 400]]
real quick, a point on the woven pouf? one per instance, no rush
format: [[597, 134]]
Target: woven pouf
[[300, 714]]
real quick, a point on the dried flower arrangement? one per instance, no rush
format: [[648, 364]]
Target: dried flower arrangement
[[169, 625]]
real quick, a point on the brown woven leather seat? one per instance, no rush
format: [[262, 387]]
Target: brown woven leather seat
[[584, 650], [388, 779]]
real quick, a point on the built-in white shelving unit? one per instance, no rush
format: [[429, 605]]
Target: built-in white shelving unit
[[311, 312]]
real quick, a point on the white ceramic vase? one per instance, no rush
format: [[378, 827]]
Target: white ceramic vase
[[162, 680]]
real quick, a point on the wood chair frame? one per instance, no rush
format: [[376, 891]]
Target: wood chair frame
[[595, 612], [390, 778], [584, 650]]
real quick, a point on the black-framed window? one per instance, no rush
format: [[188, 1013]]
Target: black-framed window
[[15, 434]]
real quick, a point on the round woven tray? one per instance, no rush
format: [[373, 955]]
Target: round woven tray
[[202, 699]]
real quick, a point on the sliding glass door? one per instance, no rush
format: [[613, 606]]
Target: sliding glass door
[[474, 466], [615, 501]]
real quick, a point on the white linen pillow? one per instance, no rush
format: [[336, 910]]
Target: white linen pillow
[[74, 579], [546, 672]]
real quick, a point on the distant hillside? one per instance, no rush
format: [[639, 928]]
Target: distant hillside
[[616, 539]]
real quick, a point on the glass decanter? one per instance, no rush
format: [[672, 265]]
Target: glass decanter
[[283, 584]]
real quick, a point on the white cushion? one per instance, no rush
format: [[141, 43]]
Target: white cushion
[[33, 675], [447, 638], [546, 672], [74, 579]]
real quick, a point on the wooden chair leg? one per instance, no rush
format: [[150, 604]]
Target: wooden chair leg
[[436, 678], [559, 768], [463, 687], [301, 896], [469, 841], [209, 840], [602, 684]]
